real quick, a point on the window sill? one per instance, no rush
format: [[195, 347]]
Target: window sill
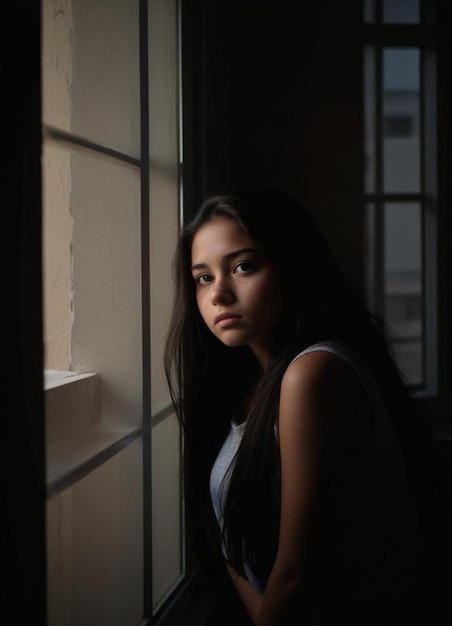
[[72, 402], [77, 439]]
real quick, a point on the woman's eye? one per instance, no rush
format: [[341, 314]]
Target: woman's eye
[[203, 279], [244, 266]]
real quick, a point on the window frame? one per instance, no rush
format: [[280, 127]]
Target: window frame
[[180, 596], [23, 596], [425, 36]]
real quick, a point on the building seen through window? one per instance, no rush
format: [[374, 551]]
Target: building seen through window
[[394, 190]]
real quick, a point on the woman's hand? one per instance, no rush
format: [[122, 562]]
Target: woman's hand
[[250, 597]]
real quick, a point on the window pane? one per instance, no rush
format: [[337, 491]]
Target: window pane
[[373, 239], [57, 261], [403, 285], [167, 528], [401, 11], [401, 120], [168, 548], [92, 268], [91, 71], [95, 545], [106, 282]]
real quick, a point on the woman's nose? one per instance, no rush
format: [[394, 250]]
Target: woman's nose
[[222, 292]]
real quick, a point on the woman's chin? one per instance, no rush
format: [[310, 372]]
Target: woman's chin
[[231, 342]]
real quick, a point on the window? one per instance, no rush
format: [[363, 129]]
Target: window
[[400, 181], [111, 216]]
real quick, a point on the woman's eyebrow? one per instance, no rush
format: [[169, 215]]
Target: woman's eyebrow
[[228, 257]]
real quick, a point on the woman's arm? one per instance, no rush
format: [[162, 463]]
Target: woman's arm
[[250, 597], [325, 418]]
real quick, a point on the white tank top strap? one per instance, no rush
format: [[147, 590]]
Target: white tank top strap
[[358, 366]]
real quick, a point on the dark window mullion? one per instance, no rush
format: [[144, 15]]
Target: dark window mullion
[[424, 242], [394, 197], [429, 215], [145, 294], [378, 11], [63, 138], [379, 281]]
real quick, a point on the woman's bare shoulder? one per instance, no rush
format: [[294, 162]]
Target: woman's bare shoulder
[[318, 369], [322, 386]]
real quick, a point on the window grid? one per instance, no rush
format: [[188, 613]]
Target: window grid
[[379, 38]]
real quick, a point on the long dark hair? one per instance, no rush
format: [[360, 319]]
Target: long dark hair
[[210, 383]]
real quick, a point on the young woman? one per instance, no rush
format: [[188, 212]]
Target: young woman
[[308, 473]]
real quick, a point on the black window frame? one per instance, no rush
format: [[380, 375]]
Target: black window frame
[[430, 36]]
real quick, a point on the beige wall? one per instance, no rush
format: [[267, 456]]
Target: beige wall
[[57, 58]]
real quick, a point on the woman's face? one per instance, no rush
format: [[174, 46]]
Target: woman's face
[[238, 290]]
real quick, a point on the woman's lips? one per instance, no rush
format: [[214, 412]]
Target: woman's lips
[[224, 320]]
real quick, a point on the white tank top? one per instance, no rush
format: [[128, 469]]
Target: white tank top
[[376, 542]]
